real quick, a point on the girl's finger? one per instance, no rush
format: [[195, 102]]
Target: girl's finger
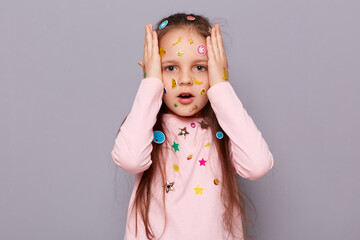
[[209, 48], [155, 43], [221, 45], [214, 43], [145, 45], [149, 40]]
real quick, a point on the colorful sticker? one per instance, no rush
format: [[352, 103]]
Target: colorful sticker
[[178, 41], [173, 83], [175, 105], [201, 49], [176, 167], [197, 82], [202, 162], [207, 145], [190, 41], [191, 18], [169, 186], [164, 90], [219, 135], [180, 53], [199, 190], [225, 75], [144, 74], [183, 132], [163, 24], [175, 146], [193, 125], [216, 181], [159, 137], [203, 91], [162, 52], [189, 157]]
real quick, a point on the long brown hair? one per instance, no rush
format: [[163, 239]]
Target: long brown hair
[[233, 197]]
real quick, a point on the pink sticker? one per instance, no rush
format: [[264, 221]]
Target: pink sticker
[[201, 49], [191, 18], [192, 124]]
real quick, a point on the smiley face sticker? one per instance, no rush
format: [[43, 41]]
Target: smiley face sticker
[[159, 137], [201, 49]]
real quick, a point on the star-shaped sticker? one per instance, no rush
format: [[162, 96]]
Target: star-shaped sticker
[[190, 41], [180, 53], [175, 146], [198, 190], [183, 132], [203, 124], [169, 186], [202, 162]]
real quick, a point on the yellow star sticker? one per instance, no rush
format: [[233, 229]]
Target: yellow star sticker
[[190, 41], [161, 52], [198, 190]]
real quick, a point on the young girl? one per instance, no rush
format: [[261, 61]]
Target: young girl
[[186, 137]]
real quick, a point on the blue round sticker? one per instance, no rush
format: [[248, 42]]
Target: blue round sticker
[[163, 24], [219, 135], [159, 137]]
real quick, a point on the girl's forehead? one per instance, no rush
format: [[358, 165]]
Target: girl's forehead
[[184, 33]]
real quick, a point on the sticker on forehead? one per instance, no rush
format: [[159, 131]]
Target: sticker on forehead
[[178, 41], [161, 52], [163, 24], [173, 83], [201, 49], [180, 53], [191, 18], [190, 41]]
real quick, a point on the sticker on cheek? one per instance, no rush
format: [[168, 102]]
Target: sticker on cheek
[[203, 91], [175, 105], [161, 52], [173, 83], [197, 82], [163, 24], [180, 53], [201, 49], [178, 41]]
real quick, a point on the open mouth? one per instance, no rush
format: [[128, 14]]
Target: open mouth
[[185, 95]]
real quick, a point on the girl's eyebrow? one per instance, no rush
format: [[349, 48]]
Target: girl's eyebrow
[[176, 61]]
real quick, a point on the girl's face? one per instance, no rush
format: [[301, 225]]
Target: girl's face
[[184, 71]]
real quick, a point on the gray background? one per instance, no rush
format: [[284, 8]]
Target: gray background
[[69, 75]]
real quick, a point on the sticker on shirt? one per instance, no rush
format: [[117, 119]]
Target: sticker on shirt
[[169, 186], [189, 157], [199, 190], [202, 162], [219, 135], [203, 124], [183, 132], [159, 137], [216, 181], [175, 146]]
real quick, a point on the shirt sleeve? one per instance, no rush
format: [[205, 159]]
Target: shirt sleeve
[[132, 148], [248, 149]]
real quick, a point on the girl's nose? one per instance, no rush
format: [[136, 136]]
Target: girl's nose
[[186, 79]]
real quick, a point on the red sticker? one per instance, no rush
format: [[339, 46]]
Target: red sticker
[[191, 18]]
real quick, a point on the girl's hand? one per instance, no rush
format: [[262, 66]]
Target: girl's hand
[[151, 59], [217, 62]]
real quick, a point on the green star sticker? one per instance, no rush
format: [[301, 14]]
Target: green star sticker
[[175, 146], [175, 105]]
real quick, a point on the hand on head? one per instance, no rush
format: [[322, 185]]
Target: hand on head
[[151, 58]]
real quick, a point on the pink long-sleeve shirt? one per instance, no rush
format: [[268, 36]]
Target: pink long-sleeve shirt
[[193, 203]]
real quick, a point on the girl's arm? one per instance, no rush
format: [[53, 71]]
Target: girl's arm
[[248, 149], [132, 148]]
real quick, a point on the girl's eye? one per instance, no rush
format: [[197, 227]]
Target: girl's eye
[[170, 68], [200, 68]]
